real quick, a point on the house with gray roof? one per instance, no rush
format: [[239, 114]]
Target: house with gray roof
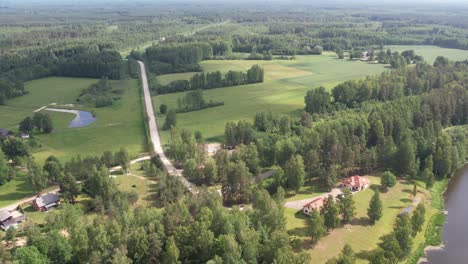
[[46, 202], [5, 133], [10, 219]]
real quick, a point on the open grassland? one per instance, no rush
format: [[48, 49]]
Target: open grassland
[[120, 125], [430, 53], [286, 82], [360, 234]]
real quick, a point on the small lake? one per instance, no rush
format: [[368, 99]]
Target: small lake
[[82, 118], [455, 231]]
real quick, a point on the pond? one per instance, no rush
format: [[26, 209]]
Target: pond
[[455, 231], [82, 118]]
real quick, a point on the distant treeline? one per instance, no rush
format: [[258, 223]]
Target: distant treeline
[[212, 80], [92, 62], [178, 57]]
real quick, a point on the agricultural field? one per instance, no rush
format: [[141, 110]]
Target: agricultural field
[[282, 92], [430, 53], [360, 234], [119, 125]]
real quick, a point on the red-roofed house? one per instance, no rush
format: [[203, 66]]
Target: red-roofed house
[[315, 204], [355, 183]]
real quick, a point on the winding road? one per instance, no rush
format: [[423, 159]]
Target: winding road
[[154, 133]]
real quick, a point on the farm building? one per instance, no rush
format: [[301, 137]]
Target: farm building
[[45, 202], [355, 183], [24, 135], [10, 219], [316, 204], [5, 133]]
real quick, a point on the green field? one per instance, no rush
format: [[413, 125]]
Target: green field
[[360, 234], [14, 190], [286, 82], [430, 53], [120, 125]]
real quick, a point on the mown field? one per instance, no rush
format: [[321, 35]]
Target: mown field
[[286, 82], [430, 53], [360, 234], [120, 125]]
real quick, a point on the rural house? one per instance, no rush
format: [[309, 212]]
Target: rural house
[[316, 204], [10, 219], [355, 183], [45, 202], [5, 133]]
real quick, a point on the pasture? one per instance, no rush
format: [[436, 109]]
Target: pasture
[[282, 92], [120, 125], [430, 53], [363, 236]]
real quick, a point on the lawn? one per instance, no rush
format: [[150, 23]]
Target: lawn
[[306, 192], [286, 82], [15, 190], [430, 53], [360, 234], [120, 125], [135, 182]]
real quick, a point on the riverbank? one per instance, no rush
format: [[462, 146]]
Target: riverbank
[[433, 235]]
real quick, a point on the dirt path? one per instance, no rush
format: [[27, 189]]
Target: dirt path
[[117, 168], [154, 133]]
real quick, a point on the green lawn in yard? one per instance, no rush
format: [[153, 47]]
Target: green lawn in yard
[[306, 192], [430, 53], [14, 190], [286, 83], [128, 183], [120, 125], [360, 234]]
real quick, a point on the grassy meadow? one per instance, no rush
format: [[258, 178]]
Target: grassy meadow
[[360, 234], [430, 53], [282, 92], [120, 125]]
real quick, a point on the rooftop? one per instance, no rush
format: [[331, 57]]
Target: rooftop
[[5, 132], [355, 181], [46, 199]]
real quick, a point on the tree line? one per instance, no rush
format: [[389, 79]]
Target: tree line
[[193, 101], [211, 80], [388, 86], [79, 61], [39, 122], [174, 58]]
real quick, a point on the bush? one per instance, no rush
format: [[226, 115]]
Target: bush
[[163, 109], [388, 180]]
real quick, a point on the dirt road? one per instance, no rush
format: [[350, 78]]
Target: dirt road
[[154, 133]]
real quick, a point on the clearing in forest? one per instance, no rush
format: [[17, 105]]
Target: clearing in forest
[[119, 125], [286, 83]]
